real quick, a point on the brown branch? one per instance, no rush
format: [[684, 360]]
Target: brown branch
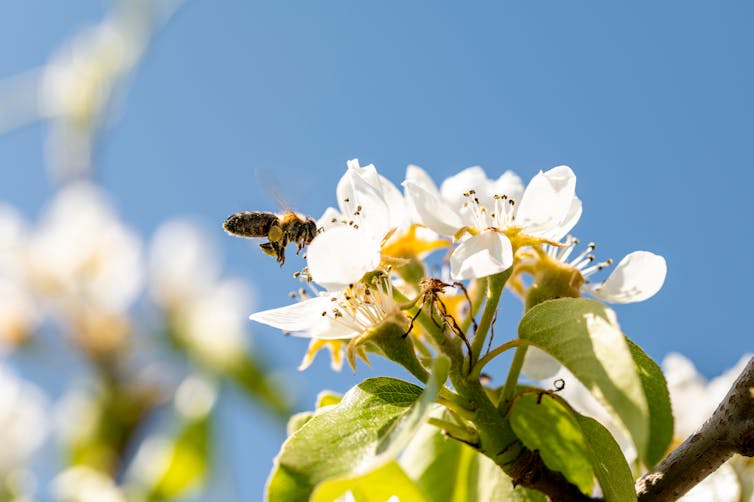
[[531, 472], [729, 430]]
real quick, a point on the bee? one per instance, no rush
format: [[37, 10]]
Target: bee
[[279, 229]]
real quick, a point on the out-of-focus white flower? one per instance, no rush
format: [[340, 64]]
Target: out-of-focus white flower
[[84, 484], [208, 314], [23, 419], [183, 264], [19, 312], [86, 264], [83, 253], [213, 325], [693, 400], [492, 218], [195, 397], [77, 415]]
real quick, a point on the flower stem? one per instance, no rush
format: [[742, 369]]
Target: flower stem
[[495, 285], [477, 371], [510, 383], [456, 431], [455, 405], [478, 289]]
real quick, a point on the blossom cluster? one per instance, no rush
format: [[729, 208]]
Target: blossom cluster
[[81, 292], [486, 225]]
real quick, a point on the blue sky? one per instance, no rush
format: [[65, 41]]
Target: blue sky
[[650, 103]]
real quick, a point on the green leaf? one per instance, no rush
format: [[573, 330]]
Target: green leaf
[[552, 430], [574, 445], [187, 463], [585, 337], [609, 464], [660, 412], [376, 486], [369, 427], [298, 420], [450, 471], [328, 398]]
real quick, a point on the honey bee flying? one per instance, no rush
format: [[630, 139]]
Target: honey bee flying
[[279, 229]]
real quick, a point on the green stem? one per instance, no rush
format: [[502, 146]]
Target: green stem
[[495, 285], [455, 431], [510, 383], [479, 288], [456, 407], [477, 371]]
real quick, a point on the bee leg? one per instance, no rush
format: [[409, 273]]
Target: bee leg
[[281, 255], [270, 248], [300, 245]]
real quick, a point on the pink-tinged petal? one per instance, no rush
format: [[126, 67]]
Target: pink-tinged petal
[[539, 365], [341, 256], [298, 318], [547, 201], [637, 277], [484, 254], [471, 178], [432, 210]]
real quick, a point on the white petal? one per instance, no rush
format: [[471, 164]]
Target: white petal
[[360, 199], [509, 183], [539, 365], [637, 277], [547, 201], [298, 317], [393, 198], [569, 221], [471, 178], [481, 255], [432, 211], [420, 177], [330, 329], [341, 256], [330, 218]]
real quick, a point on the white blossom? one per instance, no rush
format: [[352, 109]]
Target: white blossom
[[693, 400], [486, 215], [637, 277], [208, 312], [85, 484], [24, 420], [82, 252], [336, 315]]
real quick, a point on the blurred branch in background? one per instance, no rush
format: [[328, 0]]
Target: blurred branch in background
[[79, 90]]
